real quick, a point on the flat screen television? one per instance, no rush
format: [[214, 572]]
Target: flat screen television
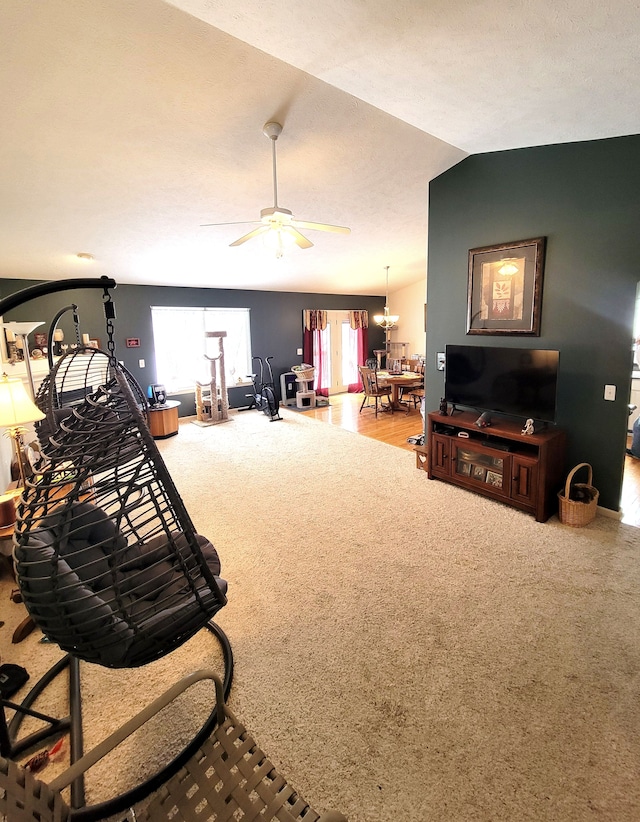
[[518, 382]]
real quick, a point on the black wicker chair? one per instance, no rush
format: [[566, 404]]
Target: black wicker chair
[[108, 561]]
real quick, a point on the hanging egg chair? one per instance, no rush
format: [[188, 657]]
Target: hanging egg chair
[[109, 564]]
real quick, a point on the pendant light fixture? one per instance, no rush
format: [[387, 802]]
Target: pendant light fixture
[[386, 320]]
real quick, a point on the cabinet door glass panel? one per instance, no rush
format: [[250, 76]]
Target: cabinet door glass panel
[[480, 467]]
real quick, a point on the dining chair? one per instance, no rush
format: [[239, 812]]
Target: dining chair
[[371, 389], [416, 392]]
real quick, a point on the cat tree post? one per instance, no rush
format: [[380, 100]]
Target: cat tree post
[[212, 402]]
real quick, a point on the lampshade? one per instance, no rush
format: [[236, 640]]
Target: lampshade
[[23, 328], [16, 408]]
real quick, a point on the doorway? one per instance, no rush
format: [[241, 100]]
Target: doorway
[[339, 353], [630, 498]]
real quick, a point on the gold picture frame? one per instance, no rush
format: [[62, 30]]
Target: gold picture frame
[[504, 294]]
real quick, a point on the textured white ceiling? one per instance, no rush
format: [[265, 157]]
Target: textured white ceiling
[[481, 76], [126, 125]]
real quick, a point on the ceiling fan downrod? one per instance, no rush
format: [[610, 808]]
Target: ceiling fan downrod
[[273, 130]]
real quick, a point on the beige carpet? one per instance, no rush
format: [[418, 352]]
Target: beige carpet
[[405, 650]]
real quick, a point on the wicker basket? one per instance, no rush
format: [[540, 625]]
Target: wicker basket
[[304, 374], [574, 512]]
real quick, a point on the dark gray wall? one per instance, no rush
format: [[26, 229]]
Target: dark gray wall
[[585, 198], [276, 321]]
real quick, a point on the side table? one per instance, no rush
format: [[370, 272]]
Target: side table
[[6, 546], [7, 525], [163, 420]]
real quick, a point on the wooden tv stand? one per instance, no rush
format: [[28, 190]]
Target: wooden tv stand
[[525, 471]]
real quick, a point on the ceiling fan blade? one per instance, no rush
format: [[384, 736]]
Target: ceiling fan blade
[[256, 231], [338, 229], [300, 240], [239, 222]]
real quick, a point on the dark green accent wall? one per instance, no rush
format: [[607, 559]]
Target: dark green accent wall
[[276, 321], [585, 198]]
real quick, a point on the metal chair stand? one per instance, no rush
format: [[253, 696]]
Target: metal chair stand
[[11, 747], [227, 777]]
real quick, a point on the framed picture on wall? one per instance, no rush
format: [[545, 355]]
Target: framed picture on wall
[[504, 293]]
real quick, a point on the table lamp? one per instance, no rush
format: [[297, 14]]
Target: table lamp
[[16, 410], [22, 330]]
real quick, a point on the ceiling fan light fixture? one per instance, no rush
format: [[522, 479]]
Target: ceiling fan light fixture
[[278, 239]]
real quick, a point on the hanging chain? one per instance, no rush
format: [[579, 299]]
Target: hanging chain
[[110, 315], [76, 322]]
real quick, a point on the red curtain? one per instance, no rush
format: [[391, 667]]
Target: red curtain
[[362, 335]]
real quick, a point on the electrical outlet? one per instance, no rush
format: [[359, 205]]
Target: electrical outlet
[[141, 363], [299, 352], [610, 392]]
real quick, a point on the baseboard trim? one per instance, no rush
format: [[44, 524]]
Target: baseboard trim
[[608, 512]]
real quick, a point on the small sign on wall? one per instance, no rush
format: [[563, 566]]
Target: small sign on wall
[[133, 342]]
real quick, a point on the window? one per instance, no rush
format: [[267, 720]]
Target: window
[[180, 345]]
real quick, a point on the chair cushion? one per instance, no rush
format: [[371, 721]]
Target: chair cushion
[[81, 581]]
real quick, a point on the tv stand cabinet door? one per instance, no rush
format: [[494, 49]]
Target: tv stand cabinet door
[[440, 455], [524, 481]]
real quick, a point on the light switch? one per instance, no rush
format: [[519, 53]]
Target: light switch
[[141, 363], [299, 352], [610, 392]]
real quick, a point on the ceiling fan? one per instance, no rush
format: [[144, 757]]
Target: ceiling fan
[[277, 224]]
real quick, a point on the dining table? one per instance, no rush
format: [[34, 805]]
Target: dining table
[[405, 379]]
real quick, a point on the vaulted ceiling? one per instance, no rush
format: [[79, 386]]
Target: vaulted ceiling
[[126, 125]]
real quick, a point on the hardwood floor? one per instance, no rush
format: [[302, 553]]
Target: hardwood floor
[[630, 501], [395, 428], [390, 428]]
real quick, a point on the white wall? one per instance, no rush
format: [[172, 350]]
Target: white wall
[[409, 304]]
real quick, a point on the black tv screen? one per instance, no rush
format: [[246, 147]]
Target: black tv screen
[[519, 382]]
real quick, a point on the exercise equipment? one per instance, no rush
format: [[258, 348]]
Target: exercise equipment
[[263, 398]]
